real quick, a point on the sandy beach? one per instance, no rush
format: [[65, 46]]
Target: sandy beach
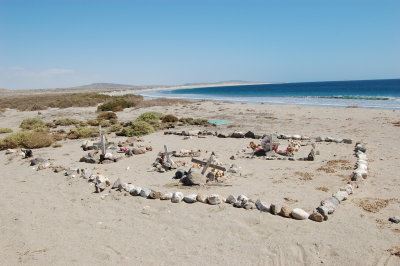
[[48, 218]]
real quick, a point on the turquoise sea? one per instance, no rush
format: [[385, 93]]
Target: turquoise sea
[[383, 94]]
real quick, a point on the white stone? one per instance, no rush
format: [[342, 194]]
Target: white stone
[[166, 196], [214, 199], [299, 214], [348, 188], [102, 179], [296, 137], [136, 191], [190, 198], [261, 206], [129, 187], [242, 198], [145, 192], [177, 197], [341, 195]]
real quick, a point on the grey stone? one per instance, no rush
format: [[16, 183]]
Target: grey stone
[[214, 199], [117, 184], [275, 209], [237, 204], [323, 210], [177, 197], [145, 192], [190, 198], [237, 134], [230, 199], [37, 161], [348, 141], [249, 205], [193, 179], [261, 206], [394, 220]]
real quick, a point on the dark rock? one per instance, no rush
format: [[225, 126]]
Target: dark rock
[[250, 135], [37, 161], [88, 159], [221, 135], [395, 220], [179, 174]]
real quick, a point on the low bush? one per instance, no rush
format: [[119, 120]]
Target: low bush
[[97, 122], [32, 123], [27, 139], [150, 116], [138, 128], [66, 122], [107, 116], [115, 105], [81, 132], [5, 130], [194, 121], [115, 128], [170, 119]]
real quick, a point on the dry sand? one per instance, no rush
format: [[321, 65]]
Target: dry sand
[[49, 219]]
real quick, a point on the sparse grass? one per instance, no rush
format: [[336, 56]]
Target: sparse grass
[[32, 123], [5, 130], [396, 124], [161, 102], [66, 122], [81, 132], [304, 176], [325, 189], [27, 139]]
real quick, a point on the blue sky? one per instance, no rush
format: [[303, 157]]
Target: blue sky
[[62, 43]]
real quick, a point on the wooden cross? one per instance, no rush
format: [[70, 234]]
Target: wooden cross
[[207, 164], [167, 154]]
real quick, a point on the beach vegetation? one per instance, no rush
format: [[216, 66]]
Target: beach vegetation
[[5, 130], [81, 132], [107, 116], [32, 123], [67, 122], [137, 128], [170, 119], [98, 122], [27, 139]]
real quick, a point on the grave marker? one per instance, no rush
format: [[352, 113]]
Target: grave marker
[[207, 164]]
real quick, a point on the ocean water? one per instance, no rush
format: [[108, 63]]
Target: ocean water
[[382, 94]]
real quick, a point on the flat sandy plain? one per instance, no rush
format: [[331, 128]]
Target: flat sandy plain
[[47, 218]]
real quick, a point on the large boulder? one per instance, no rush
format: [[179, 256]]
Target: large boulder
[[193, 178]]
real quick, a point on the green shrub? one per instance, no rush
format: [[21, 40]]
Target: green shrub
[[81, 132], [5, 130], [97, 122], [107, 116], [32, 123], [66, 122], [150, 116], [115, 128], [170, 119], [196, 122], [26, 139], [115, 105], [138, 128]]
